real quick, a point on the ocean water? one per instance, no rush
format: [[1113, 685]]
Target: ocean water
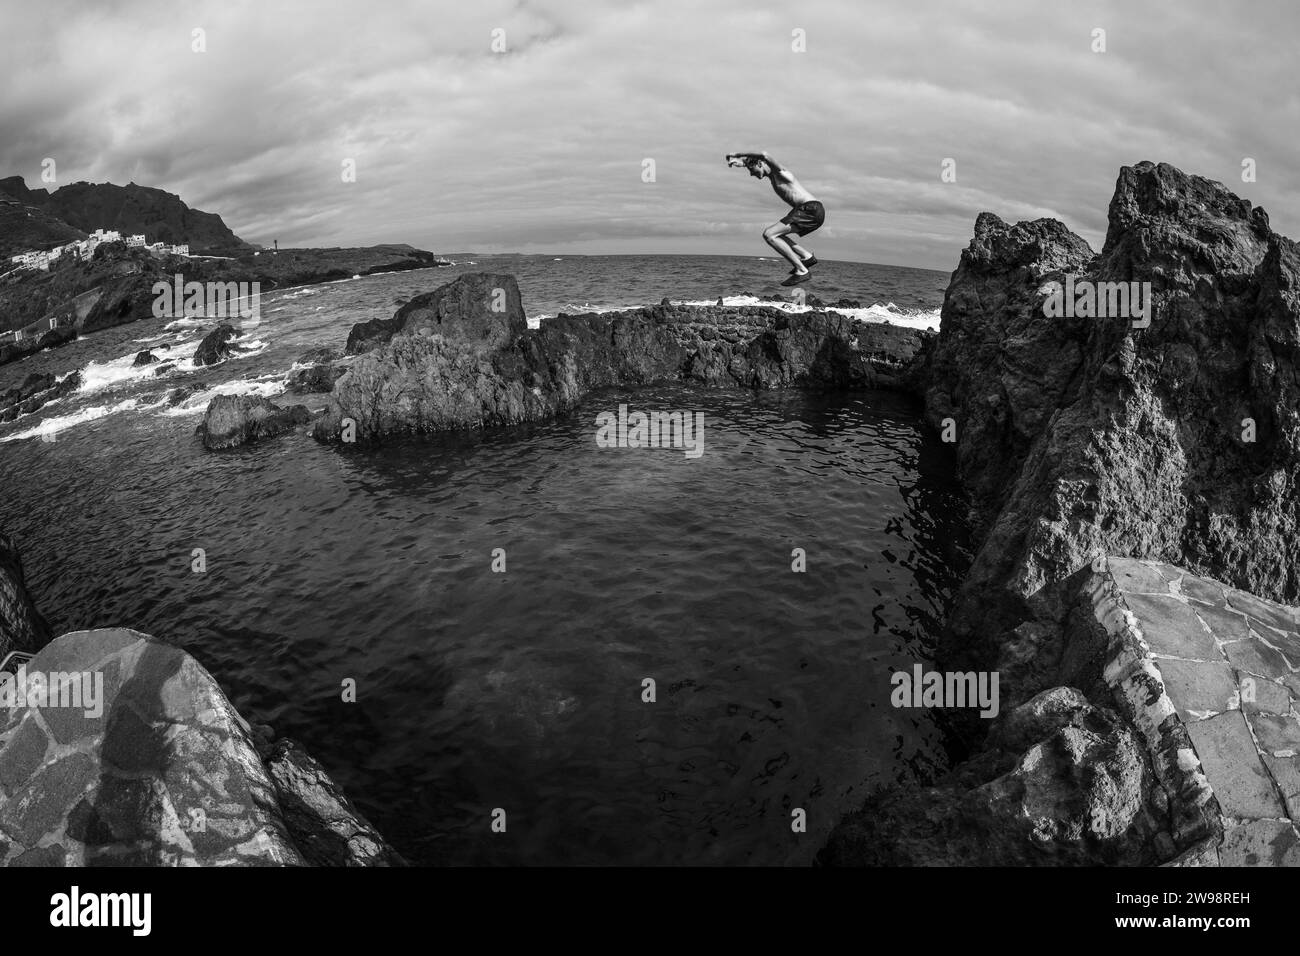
[[523, 691]]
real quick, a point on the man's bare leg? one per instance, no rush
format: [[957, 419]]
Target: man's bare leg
[[775, 237], [799, 250]]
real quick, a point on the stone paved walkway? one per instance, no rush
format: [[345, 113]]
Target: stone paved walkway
[[160, 772], [1229, 663]]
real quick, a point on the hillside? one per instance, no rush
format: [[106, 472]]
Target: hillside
[[159, 215], [24, 227]]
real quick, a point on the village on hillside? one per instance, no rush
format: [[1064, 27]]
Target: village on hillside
[[85, 248], [79, 249]]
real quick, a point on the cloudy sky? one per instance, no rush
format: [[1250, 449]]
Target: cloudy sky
[[541, 148]]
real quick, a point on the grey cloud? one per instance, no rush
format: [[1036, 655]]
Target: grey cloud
[[458, 146]]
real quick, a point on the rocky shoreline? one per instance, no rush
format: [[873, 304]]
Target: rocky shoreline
[[116, 286], [1082, 438], [449, 360], [1132, 482]]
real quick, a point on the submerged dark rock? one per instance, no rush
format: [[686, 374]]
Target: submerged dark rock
[[34, 383], [318, 378], [321, 372], [36, 390], [182, 392], [216, 345], [233, 420], [144, 357]]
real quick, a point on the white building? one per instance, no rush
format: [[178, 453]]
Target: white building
[[85, 248]]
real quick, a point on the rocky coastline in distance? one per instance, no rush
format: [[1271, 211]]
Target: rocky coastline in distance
[[114, 286], [1136, 547]]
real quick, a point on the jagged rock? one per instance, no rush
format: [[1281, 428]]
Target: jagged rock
[[55, 337], [181, 392], [33, 383], [21, 626], [216, 346], [368, 335], [318, 356], [478, 307], [233, 420], [1079, 436], [1073, 789], [432, 377], [325, 825], [318, 378], [321, 373], [144, 357], [36, 391], [1175, 439], [124, 297]]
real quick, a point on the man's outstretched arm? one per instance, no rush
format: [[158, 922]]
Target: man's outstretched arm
[[764, 156]]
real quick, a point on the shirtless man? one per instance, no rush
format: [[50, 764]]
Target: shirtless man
[[805, 216]]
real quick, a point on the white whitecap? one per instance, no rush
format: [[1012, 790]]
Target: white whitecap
[[52, 426], [196, 404]]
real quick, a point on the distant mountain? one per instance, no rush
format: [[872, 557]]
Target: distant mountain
[[24, 226], [83, 207]]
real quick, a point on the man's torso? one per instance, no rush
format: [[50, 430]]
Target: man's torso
[[790, 189]]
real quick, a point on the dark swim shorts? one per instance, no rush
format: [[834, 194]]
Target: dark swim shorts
[[806, 217]]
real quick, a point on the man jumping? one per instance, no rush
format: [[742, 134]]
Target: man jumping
[[805, 216]]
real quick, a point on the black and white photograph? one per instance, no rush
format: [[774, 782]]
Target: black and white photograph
[[549, 437]]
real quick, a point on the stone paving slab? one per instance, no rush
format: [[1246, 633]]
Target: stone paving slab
[[1261, 843], [1227, 664], [1243, 785], [1170, 626]]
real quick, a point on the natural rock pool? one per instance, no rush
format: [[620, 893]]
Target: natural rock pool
[[523, 690]]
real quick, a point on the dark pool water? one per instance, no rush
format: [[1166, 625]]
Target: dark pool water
[[523, 690]]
